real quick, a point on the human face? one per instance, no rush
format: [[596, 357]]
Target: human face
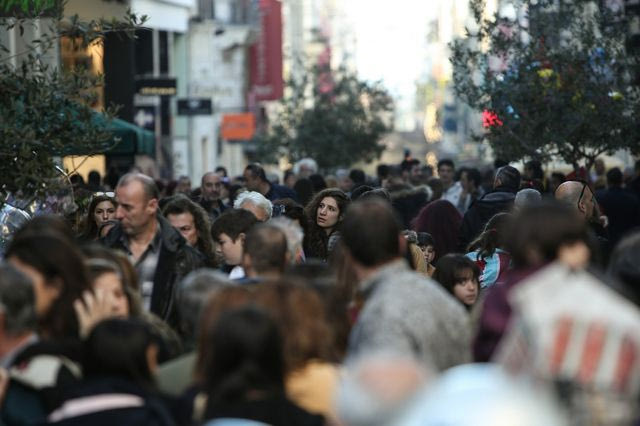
[[446, 174], [466, 289], [464, 182], [184, 223], [429, 252], [110, 283], [135, 212], [46, 292], [211, 186], [252, 182], [328, 213], [231, 250], [104, 211], [184, 186]]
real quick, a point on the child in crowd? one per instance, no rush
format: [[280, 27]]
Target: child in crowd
[[459, 276], [487, 251], [428, 246]]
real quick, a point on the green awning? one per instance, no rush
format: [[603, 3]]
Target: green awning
[[133, 139]]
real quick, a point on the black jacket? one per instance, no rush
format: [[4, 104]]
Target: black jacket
[[408, 200], [175, 261], [480, 211]]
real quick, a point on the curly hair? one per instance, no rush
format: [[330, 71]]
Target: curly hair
[[181, 204], [316, 239], [90, 228]]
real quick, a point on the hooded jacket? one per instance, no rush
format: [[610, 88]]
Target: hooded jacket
[[497, 201]]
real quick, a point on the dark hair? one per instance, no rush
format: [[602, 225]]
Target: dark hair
[[233, 223], [47, 223], [474, 175], [304, 188], [257, 171], [442, 220], [246, 356], [370, 232], [537, 232], [291, 209], [181, 204], [357, 176], [117, 347], [449, 270], [318, 182], [614, 177], [382, 171], [223, 170], [316, 239], [377, 193], [359, 191], [494, 235], [62, 265], [446, 162], [266, 245], [425, 239], [90, 231], [536, 167], [509, 178], [17, 301]]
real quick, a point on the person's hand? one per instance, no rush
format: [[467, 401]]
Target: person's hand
[[604, 221], [93, 308]]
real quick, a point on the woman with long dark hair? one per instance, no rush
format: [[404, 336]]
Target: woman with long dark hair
[[102, 209], [324, 213]]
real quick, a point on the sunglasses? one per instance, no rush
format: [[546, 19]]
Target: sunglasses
[[106, 194]]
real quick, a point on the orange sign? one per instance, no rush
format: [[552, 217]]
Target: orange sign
[[238, 127]]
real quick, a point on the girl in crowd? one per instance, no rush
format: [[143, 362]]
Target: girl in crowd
[[428, 247], [459, 276], [324, 212], [442, 220], [488, 250], [101, 209]]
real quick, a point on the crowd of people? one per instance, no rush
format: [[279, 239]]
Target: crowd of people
[[337, 299]]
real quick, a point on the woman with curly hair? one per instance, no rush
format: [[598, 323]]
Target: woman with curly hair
[[193, 223], [102, 209], [324, 213]]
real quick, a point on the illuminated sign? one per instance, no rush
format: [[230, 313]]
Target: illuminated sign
[[156, 86]]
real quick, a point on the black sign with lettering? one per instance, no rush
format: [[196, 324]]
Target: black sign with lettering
[[156, 86], [194, 106]]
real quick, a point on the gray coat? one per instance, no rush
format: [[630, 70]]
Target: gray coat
[[408, 313]]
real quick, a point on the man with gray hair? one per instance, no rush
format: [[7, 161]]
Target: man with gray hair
[[17, 314], [160, 255], [256, 203], [527, 197]]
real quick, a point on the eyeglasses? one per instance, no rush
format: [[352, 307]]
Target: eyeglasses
[[107, 194]]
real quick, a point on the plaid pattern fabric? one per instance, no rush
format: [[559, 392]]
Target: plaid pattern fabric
[[145, 266]]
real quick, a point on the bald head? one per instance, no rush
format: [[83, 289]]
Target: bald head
[[577, 195]]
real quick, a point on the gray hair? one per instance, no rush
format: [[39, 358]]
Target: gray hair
[[527, 197], [192, 296], [148, 184], [17, 301], [308, 163], [257, 199], [294, 234]]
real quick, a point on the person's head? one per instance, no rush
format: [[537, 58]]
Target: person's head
[[446, 171], [265, 251], [289, 178], [137, 197], [222, 172], [533, 170], [318, 182], [192, 221], [17, 306], [122, 348], [494, 235], [470, 179], [183, 185], [579, 196], [527, 197], [427, 245], [442, 220], [191, 297], [256, 203], [624, 266], [289, 208], [300, 315], [547, 232], [436, 187], [210, 186], [59, 278], [254, 177], [305, 167], [229, 231], [105, 276], [344, 181], [246, 357], [507, 178], [357, 176], [599, 166], [357, 192], [614, 178], [327, 208], [101, 209], [371, 233], [460, 276]]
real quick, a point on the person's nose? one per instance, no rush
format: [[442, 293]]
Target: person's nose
[[119, 213]]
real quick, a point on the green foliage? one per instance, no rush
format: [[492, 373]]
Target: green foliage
[[330, 116], [558, 77], [45, 112]]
